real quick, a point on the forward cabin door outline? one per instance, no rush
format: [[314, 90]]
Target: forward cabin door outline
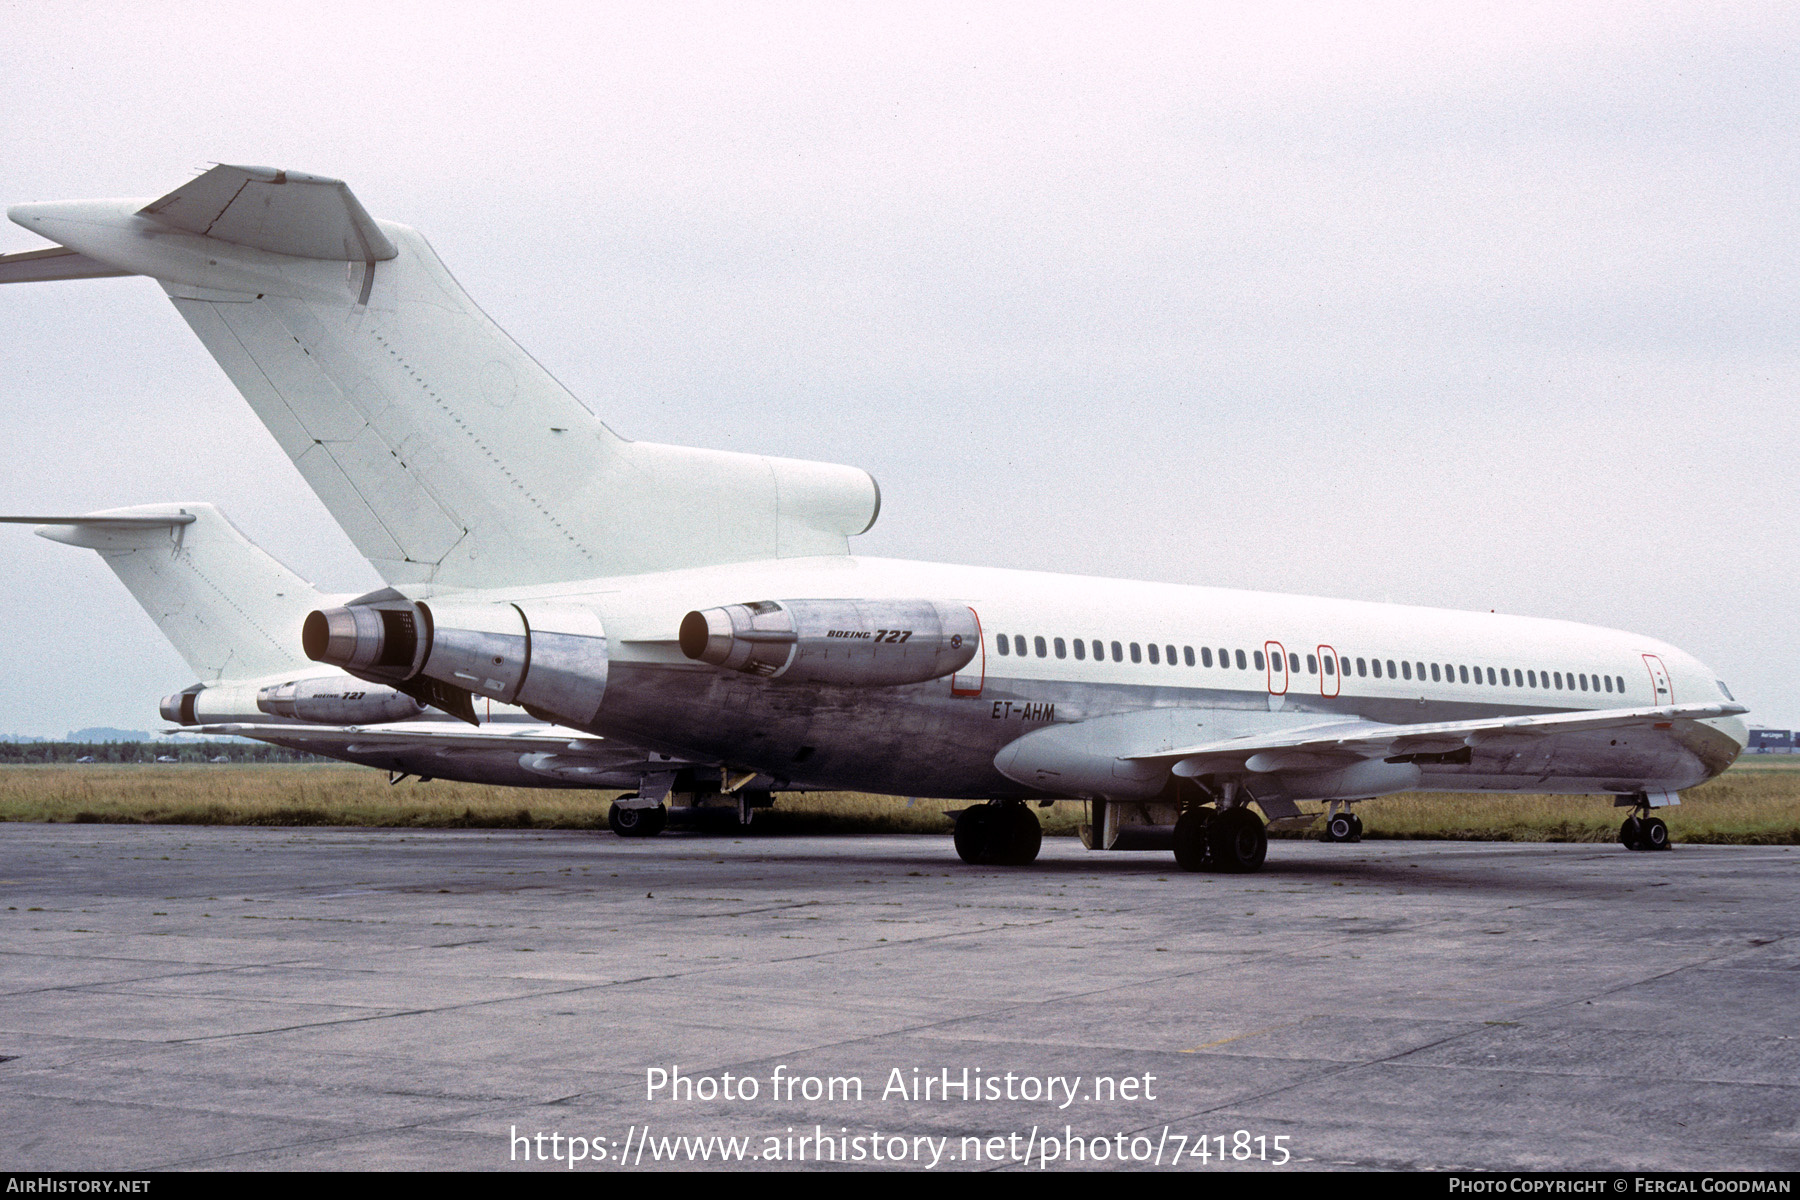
[[1278, 668], [1328, 680], [1661, 690], [973, 677]]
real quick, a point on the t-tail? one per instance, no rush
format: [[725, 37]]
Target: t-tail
[[443, 449]]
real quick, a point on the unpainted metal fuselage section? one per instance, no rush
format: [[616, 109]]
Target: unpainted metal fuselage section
[[942, 737]]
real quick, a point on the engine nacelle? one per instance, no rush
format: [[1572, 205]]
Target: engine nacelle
[[332, 701], [852, 643], [548, 658], [215, 704]]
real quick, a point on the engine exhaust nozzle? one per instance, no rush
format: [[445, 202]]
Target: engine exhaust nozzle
[[363, 639]]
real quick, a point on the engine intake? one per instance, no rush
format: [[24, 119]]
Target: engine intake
[[851, 643]]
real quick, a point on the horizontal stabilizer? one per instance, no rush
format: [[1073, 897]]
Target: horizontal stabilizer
[[167, 521], [446, 452], [57, 262], [284, 212]]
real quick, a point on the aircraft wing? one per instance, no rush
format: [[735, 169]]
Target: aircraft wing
[[535, 754], [1324, 745]]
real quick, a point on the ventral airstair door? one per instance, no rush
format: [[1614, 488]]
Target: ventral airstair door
[[1663, 692]]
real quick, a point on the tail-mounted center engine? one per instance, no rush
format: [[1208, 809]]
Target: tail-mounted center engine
[[548, 658], [852, 643]]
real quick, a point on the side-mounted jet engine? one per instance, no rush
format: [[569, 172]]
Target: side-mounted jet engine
[[549, 659]]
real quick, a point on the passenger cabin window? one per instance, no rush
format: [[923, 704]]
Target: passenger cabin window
[[1294, 662], [1001, 644], [1375, 667], [1242, 664], [1019, 644], [1503, 679], [1490, 672], [1206, 656], [1405, 670], [1155, 655], [1136, 654], [1170, 652], [1435, 678], [1099, 652], [1118, 654], [1187, 652], [1362, 668], [1465, 674], [1080, 650], [1258, 656], [1558, 677], [1330, 664], [1391, 672], [1041, 648], [1312, 664], [1608, 679], [1062, 649]]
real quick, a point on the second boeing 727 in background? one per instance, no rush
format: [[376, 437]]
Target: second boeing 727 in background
[[705, 604]]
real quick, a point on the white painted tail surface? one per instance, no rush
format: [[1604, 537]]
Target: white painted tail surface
[[444, 450], [226, 606]]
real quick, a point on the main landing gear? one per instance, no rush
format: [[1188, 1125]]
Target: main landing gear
[[642, 821], [1001, 833], [1234, 840], [1641, 831]]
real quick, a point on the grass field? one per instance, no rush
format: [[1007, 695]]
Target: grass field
[[1756, 803]]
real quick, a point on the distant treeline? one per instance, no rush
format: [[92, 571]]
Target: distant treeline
[[25, 753]]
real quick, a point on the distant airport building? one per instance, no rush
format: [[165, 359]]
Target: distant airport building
[[1771, 741]]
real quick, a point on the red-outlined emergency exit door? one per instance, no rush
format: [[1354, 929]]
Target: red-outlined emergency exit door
[[1278, 668]]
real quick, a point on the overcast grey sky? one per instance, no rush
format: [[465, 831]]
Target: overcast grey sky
[[1463, 305]]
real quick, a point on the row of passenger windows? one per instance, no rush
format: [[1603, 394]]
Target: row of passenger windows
[[1015, 644]]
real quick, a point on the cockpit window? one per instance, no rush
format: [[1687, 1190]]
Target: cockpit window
[[1725, 690]]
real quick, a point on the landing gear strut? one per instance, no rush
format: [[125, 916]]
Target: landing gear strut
[[1002, 833], [1641, 831]]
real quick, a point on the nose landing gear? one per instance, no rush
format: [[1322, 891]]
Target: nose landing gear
[[1341, 825]]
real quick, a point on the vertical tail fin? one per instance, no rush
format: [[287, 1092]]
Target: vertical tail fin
[[226, 606], [443, 449]]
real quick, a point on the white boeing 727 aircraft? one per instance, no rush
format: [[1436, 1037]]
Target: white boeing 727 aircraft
[[705, 604]]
